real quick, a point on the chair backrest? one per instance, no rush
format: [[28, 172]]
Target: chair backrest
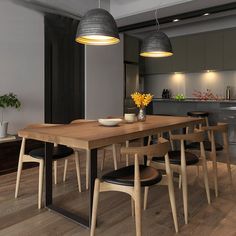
[[159, 149], [197, 136], [221, 128]]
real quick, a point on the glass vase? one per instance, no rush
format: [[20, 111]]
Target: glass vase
[[141, 114]]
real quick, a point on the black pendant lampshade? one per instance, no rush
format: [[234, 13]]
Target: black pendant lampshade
[[156, 45], [97, 27]]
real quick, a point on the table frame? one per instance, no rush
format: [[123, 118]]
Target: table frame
[[93, 172]]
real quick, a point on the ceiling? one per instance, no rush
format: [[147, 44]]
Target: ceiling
[[124, 11]]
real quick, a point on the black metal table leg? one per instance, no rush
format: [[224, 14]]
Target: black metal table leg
[[145, 143], [48, 188], [48, 173]]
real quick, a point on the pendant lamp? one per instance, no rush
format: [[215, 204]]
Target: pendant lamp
[[97, 27], [157, 44]]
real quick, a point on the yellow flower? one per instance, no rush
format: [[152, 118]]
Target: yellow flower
[[141, 100]]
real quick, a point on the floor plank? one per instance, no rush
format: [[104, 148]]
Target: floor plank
[[20, 217]]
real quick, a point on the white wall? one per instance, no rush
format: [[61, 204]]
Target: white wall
[[77, 7], [104, 80], [22, 62], [187, 83]]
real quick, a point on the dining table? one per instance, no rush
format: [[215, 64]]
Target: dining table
[[90, 135]]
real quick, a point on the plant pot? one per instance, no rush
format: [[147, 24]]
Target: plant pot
[[3, 129]]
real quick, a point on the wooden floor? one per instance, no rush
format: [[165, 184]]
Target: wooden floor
[[22, 218]]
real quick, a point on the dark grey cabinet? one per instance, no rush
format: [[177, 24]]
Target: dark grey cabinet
[[161, 65], [195, 53], [131, 49], [229, 48], [214, 50], [179, 59]]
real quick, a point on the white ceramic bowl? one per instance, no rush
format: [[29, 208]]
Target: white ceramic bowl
[[109, 122]]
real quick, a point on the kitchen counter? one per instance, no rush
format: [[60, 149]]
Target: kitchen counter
[[194, 100], [219, 110]]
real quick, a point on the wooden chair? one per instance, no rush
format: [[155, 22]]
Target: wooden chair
[[130, 179], [212, 147], [181, 159], [37, 155]]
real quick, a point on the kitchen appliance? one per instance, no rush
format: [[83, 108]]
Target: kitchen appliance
[[132, 84]]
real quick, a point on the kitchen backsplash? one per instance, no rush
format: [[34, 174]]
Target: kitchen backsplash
[[181, 83]]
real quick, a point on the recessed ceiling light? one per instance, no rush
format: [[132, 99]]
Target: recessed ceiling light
[[206, 14], [175, 20]]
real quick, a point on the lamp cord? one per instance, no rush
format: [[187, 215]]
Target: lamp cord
[[99, 3], [157, 21]]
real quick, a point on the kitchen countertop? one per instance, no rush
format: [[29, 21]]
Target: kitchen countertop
[[195, 100]]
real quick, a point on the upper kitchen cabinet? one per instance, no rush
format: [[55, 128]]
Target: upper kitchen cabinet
[[229, 49], [131, 49], [160, 65], [214, 50], [195, 53], [179, 59]]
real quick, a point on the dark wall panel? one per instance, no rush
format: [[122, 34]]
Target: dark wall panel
[[64, 71]]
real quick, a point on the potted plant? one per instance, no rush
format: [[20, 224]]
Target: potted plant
[[7, 100]]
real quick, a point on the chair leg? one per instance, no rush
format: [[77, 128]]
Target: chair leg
[[187, 129], [65, 170], [207, 125], [172, 202], [40, 187], [204, 167], [103, 159], [55, 171], [180, 181], [95, 206], [19, 170], [137, 203], [229, 167], [77, 165], [87, 168], [185, 194], [198, 171], [146, 190], [127, 156], [114, 152], [171, 141], [214, 164], [132, 207]]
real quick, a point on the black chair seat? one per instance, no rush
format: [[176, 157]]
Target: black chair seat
[[198, 113], [207, 146], [58, 152], [125, 176], [175, 158]]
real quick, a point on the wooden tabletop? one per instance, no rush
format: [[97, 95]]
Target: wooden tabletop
[[90, 135]]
